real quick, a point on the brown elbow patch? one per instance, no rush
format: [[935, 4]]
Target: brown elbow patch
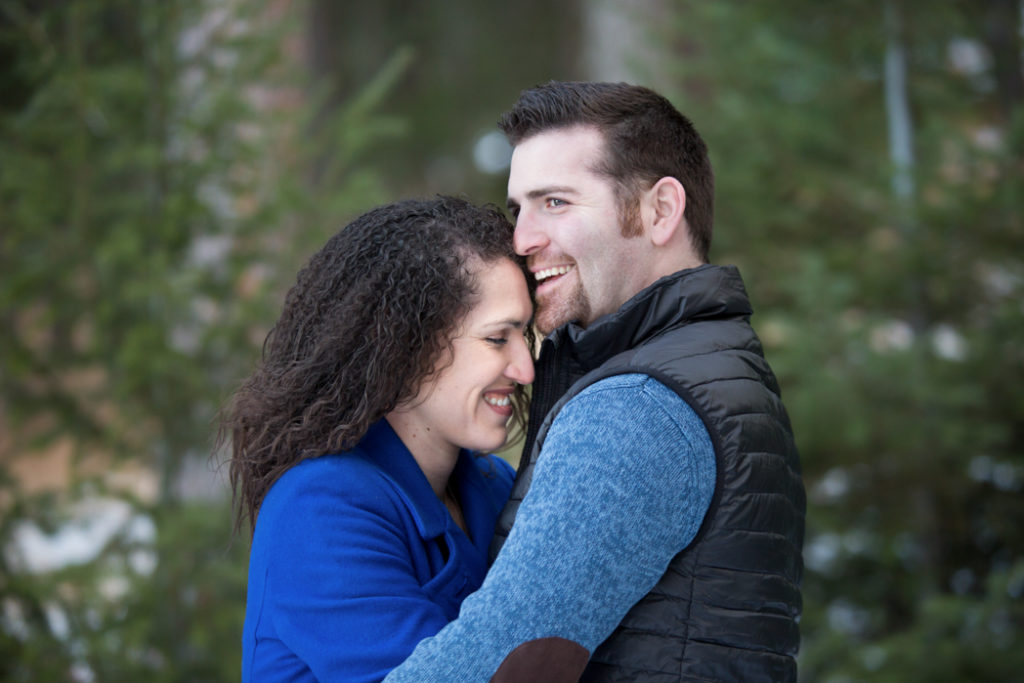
[[553, 660]]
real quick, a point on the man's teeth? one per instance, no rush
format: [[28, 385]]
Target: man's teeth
[[542, 275], [496, 401]]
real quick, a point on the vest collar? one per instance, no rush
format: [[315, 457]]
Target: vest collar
[[685, 296]]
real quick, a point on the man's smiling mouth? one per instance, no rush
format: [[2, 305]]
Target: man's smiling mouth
[[547, 273]]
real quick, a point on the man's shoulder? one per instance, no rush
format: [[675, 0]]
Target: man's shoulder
[[627, 394], [625, 387], [629, 419]]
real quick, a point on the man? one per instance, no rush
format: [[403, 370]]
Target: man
[[659, 509]]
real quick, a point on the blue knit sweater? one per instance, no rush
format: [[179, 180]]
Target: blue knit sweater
[[623, 483]]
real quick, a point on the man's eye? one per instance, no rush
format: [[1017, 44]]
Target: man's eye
[[553, 202]]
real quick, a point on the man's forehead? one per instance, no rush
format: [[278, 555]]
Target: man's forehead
[[569, 139], [559, 160]]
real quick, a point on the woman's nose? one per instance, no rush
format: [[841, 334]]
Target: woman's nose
[[520, 369]]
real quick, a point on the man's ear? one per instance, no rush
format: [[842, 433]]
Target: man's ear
[[666, 202]]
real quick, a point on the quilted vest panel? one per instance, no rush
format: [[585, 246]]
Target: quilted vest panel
[[727, 607]]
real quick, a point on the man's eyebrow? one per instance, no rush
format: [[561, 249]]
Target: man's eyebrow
[[543, 192], [553, 189]]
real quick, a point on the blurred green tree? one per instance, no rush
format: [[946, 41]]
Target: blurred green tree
[[870, 186], [471, 59], [162, 175]]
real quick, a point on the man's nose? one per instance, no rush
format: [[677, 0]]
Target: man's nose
[[528, 237]]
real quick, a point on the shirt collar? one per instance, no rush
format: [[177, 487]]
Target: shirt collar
[[383, 448]]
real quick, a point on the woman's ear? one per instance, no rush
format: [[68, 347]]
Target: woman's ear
[[666, 203]]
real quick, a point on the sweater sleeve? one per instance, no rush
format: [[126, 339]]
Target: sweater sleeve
[[622, 485]]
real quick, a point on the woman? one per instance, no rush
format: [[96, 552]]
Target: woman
[[402, 352]]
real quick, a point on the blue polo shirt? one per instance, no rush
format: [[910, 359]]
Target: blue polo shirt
[[354, 560]]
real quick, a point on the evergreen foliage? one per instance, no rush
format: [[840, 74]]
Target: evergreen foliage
[[165, 168], [893, 319], [162, 174]]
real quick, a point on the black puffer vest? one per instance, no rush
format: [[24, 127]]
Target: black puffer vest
[[727, 607]]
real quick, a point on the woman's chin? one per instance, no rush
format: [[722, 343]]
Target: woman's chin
[[489, 445]]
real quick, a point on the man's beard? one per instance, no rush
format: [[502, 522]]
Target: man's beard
[[555, 313], [577, 306]]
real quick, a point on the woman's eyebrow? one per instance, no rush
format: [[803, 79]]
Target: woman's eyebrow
[[508, 322]]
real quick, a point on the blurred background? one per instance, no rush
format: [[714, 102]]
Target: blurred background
[[166, 167]]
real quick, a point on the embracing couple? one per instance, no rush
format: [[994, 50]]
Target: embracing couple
[[653, 530]]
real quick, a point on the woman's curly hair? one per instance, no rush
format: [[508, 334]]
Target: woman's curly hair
[[369, 319]]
